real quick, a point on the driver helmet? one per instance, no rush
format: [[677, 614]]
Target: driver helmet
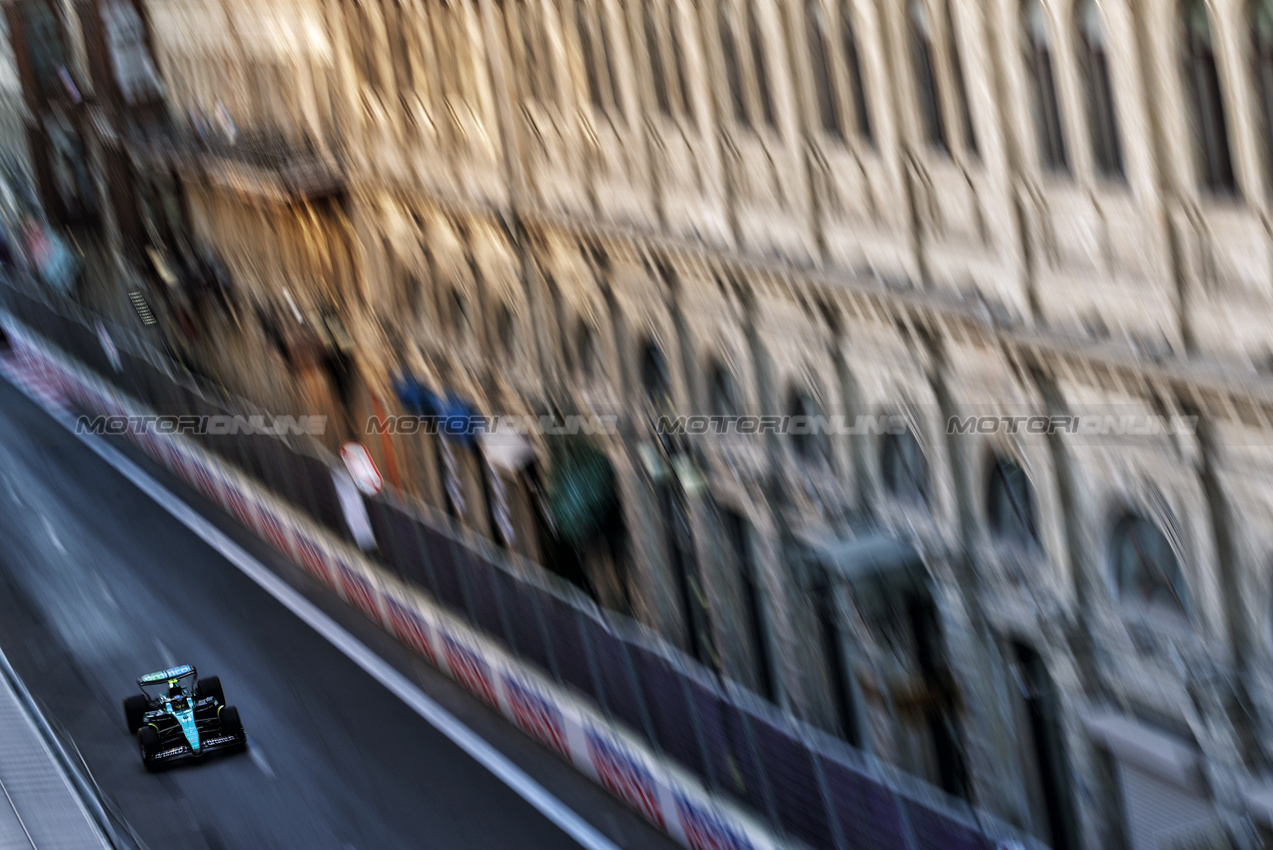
[[177, 695]]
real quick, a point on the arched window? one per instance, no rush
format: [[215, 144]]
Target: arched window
[[823, 71], [655, 383], [1102, 124], [729, 55], [724, 391], [921, 32], [1204, 100], [1010, 504], [848, 32], [904, 468], [1146, 571], [808, 432], [759, 65], [738, 533], [654, 46], [1262, 71], [1037, 45]]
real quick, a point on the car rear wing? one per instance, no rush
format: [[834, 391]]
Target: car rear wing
[[158, 678]]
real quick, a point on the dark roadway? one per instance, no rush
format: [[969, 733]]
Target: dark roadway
[[98, 584]]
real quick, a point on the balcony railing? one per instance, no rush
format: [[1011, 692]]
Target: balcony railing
[[263, 163]]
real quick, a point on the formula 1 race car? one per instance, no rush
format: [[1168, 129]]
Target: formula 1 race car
[[171, 723]]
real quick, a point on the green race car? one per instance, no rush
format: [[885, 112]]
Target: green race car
[[173, 722]]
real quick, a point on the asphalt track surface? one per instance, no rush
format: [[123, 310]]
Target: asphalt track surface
[[99, 584]]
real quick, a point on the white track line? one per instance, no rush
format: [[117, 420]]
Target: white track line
[[254, 752], [465, 738], [48, 526]]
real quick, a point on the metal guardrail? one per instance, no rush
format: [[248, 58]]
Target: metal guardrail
[[811, 788], [106, 811], [101, 808], [14, 808]]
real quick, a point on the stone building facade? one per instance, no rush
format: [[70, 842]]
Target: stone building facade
[[923, 209]]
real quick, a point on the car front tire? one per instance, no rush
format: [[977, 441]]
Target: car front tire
[[148, 739], [230, 723], [135, 711]]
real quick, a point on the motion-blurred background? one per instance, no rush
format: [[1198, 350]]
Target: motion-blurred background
[[926, 210]]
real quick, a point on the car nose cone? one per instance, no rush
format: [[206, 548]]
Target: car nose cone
[[188, 727]]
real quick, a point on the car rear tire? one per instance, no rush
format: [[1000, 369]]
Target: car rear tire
[[148, 739], [135, 711], [210, 687], [230, 723]]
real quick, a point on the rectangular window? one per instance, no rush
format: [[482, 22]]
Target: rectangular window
[[44, 40], [849, 34], [654, 49], [1101, 118], [733, 67], [823, 73], [611, 58], [926, 77], [738, 532], [961, 90], [587, 45], [677, 42], [760, 65]]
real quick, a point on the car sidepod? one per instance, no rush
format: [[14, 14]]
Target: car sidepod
[[214, 737]]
